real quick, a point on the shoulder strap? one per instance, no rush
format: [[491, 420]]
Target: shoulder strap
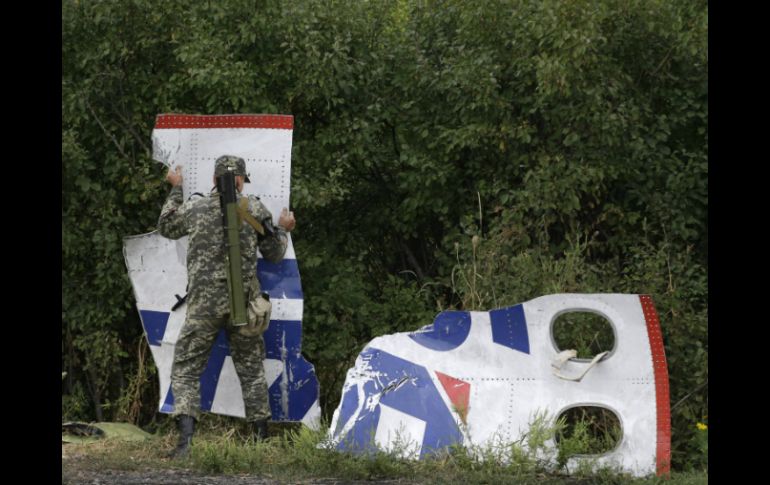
[[243, 210]]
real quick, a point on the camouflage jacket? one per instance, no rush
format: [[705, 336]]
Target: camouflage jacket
[[201, 220]]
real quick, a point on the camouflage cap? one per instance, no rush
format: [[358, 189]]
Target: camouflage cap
[[230, 162]]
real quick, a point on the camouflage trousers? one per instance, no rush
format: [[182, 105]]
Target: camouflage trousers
[[191, 355]]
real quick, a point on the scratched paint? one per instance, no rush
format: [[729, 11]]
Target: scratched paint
[[157, 266], [470, 378]]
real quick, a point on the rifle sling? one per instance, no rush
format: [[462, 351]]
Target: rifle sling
[[242, 209]]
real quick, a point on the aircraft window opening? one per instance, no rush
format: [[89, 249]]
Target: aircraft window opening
[[587, 430], [587, 332]]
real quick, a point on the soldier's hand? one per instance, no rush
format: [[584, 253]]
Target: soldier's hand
[[174, 177], [286, 220]]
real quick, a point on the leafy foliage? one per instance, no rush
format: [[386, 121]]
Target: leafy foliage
[[570, 139]]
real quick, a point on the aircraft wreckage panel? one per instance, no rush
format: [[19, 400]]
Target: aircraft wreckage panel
[[472, 377], [157, 266]]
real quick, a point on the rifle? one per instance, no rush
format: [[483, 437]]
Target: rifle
[[264, 228], [179, 301], [231, 224]]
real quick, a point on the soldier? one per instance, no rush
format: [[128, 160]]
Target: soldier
[[208, 304]]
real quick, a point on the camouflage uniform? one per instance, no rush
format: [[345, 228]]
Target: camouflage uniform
[[208, 304]]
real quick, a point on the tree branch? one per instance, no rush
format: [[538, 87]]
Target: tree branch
[[110, 135], [127, 125], [690, 394], [412, 260]]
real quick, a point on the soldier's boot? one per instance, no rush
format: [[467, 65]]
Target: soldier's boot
[[260, 429], [186, 428]]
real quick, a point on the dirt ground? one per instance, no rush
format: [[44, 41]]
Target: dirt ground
[[85, 465], [80, 467], [156, 477]]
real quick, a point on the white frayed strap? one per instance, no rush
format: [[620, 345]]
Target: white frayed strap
[[565, 355]]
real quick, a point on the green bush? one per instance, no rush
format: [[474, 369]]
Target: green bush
[[570, 138]]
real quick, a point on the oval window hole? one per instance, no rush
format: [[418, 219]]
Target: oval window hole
[[587, 332], [587, 430]]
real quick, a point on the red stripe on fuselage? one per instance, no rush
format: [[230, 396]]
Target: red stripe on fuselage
[[281, 122], [662, 397]]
